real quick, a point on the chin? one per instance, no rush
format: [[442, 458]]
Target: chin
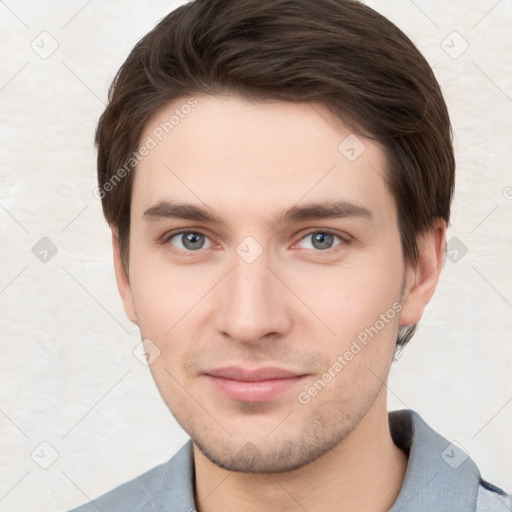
[[276, 452]]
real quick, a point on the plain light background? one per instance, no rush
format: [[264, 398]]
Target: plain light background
[[70, 379]]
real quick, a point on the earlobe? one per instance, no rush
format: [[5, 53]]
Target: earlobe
[[123, 280], [422, 279]]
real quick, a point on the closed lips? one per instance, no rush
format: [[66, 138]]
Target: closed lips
[[261, 374], [258, 385]]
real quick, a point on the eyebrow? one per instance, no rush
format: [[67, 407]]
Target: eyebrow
[[316, 210]]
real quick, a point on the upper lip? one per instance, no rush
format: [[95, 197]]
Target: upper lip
[[255, 375]]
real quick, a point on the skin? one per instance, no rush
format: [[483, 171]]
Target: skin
[[296, 306]]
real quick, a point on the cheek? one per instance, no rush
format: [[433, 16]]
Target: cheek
[[171, 305], [165, 295], [347, 298]]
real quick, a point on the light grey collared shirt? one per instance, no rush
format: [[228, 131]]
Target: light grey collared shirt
[[440, 476]]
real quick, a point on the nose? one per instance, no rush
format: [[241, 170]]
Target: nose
[[253, 303]]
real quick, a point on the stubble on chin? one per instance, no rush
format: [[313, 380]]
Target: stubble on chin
[[278, 452]]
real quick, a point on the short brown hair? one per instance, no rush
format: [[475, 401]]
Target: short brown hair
[[339, 53]]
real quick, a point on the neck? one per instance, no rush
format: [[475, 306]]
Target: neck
[[364, 472]]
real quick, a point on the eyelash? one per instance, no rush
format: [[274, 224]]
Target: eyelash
[[344, 240]]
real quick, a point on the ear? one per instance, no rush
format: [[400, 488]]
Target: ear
[[422, 279], [123, 280]]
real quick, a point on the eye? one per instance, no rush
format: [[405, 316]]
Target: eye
[[322, 240], [188, 241]]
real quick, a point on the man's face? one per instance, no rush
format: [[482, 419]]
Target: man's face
[[251, 310]]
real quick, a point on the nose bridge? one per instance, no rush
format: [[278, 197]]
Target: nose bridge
[[250, 275], [250, 280]]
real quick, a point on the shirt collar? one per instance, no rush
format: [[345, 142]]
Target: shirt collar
[[439, 473]]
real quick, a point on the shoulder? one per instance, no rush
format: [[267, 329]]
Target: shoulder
[[492, 499], [133, 495], [166, 485]]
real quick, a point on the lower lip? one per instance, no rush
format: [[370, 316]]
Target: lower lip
[[260, 391]]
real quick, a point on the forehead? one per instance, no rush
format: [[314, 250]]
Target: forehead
[[245, 159]]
